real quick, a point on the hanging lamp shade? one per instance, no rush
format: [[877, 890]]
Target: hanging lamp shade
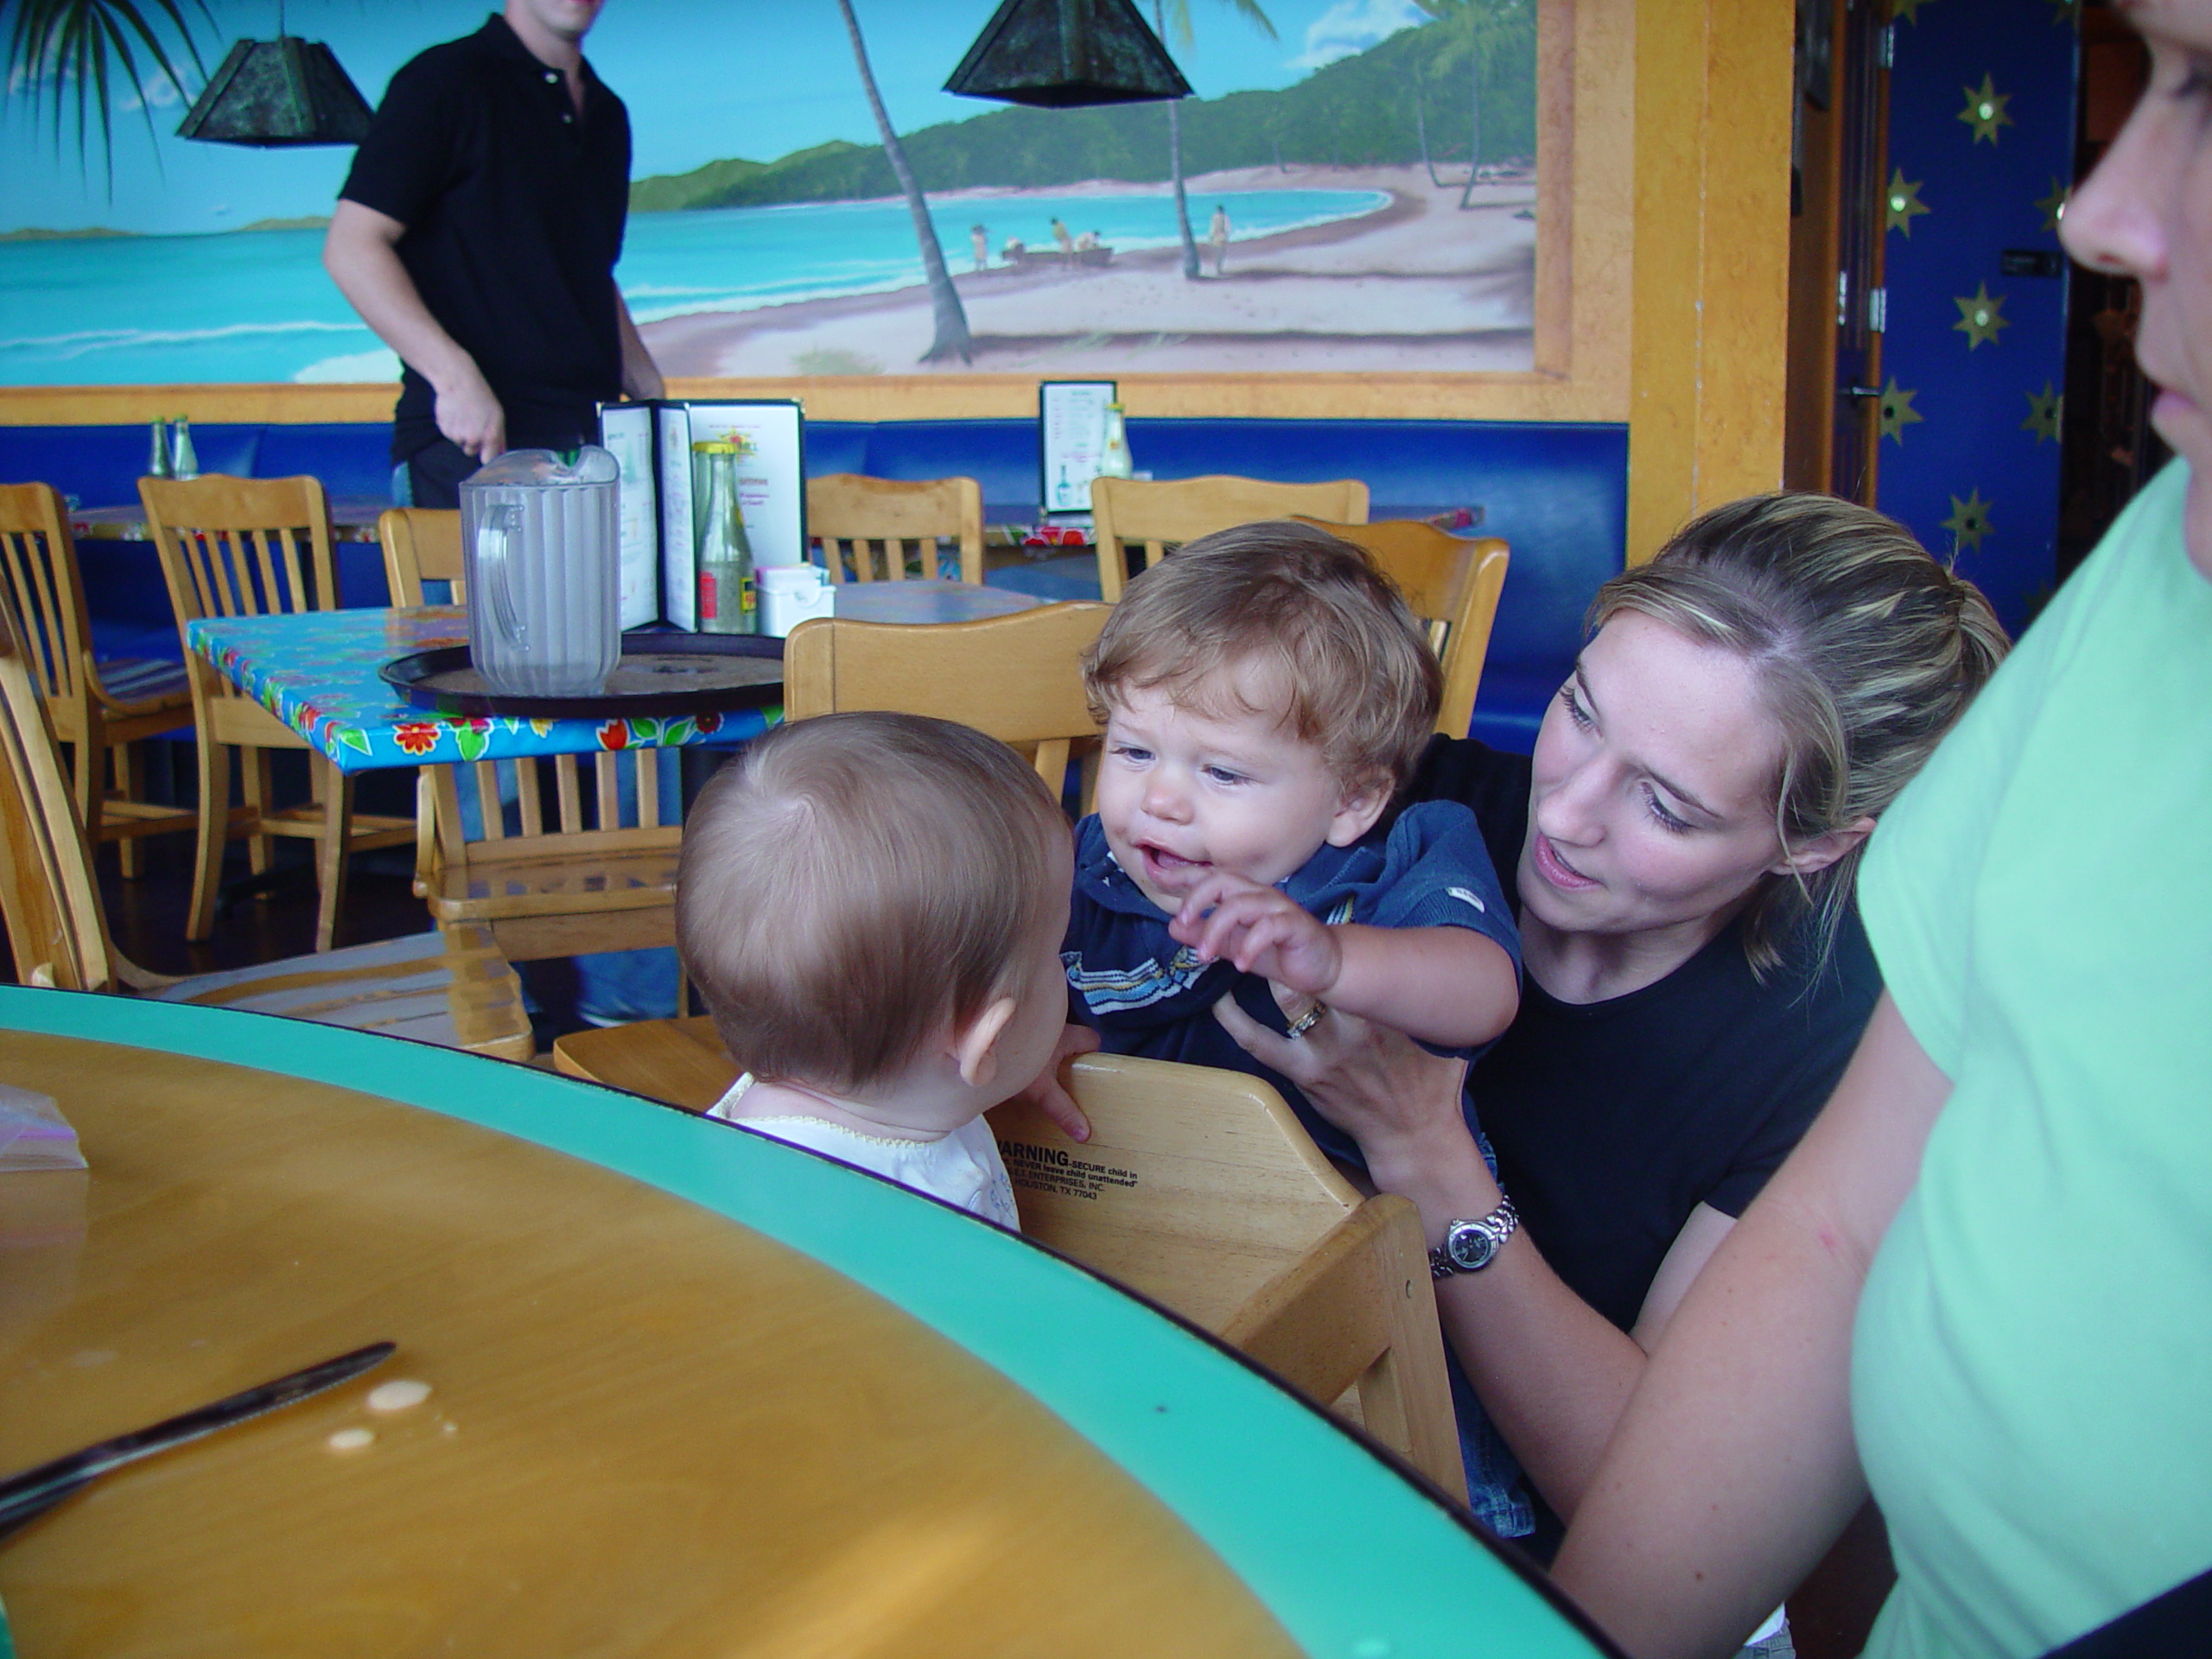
[[282, 92], [1059, 54]]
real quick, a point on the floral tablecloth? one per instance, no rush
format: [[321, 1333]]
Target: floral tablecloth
[[317, 673]]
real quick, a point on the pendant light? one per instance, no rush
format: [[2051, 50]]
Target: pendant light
[[282, 91], [1060, 54]]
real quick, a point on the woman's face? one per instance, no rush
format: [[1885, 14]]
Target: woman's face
[[2146, 212], [1653, 805]]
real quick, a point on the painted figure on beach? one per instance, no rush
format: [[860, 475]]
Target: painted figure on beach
[[979, 240], [1061, 236], [1217, 238]]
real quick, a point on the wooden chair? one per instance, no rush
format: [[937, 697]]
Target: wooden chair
[[1018, 677], [876, 518], [101, 710], [581, 870], [1159, 516], [1452, 582], [1197, 1188], [250, 547], [420, 544], [450, 989]]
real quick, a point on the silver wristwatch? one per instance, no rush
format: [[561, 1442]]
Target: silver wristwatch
[[1471, 1246]]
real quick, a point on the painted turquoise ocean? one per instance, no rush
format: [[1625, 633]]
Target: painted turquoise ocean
[[257, 306]]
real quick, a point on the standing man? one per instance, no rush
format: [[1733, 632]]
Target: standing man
[[477, 235]]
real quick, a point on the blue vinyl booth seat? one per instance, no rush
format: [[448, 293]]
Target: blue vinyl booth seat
[[1558, 492]]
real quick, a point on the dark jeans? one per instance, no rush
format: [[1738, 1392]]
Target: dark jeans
[[433, 474]]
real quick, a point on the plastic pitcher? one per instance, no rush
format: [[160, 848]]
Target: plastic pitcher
[[544, 572]]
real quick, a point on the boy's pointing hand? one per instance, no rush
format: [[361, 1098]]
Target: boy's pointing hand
[[1262, 930]]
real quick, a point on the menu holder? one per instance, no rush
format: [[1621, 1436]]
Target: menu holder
[[1071, 442], [658, 532]]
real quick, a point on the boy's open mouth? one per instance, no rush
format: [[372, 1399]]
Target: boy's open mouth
[[1170, 871]]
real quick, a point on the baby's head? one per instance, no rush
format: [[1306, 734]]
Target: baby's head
[[1265, 692], [862, 895]]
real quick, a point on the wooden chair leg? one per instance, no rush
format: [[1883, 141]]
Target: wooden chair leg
[[337, 791], [130, 783], [87, 782], [258, 794], [213, 833]]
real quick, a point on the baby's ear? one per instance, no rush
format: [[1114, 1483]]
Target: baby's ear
[[974, 1049], [1358, 808]]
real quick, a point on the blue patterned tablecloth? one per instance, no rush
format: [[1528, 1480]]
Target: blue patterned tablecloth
[[317, 673]]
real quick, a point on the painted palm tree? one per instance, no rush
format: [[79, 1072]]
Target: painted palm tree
[[1179, 12], [951, 337], [85, 47], [1481, 30]]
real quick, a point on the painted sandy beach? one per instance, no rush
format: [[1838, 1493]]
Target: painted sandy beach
[[1433, 286]]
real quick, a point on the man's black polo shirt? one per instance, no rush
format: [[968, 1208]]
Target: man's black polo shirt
[[513, 205]]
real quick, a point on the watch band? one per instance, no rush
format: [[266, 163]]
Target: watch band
[[1471, 1246]]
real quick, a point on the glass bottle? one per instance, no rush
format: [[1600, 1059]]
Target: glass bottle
[[727, 603], [1113, 454], [157, 457], [187, 463]]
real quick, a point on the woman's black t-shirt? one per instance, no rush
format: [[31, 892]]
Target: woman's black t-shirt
[[1613, 1121]]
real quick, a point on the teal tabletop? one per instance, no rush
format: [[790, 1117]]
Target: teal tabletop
[[260, 1188]]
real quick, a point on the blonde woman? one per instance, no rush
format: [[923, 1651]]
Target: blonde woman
[[1683, 845], [1981, 1288]]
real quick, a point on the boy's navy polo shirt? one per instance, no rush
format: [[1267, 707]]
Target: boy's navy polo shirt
[[1146, 994], [514, 206]]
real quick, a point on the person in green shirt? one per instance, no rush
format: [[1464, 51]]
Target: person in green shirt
[[1982, 1285]]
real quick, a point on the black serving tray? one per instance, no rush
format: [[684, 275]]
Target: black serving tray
[[659, 674]]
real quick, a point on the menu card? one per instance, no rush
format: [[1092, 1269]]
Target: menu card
[[1071, 428], [658, 533]]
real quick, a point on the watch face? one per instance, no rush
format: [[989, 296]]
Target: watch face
[[1472, 1247]]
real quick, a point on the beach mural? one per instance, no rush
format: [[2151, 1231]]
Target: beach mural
[[1357, 178]]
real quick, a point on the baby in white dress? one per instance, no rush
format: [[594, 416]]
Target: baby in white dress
[[872, 905]]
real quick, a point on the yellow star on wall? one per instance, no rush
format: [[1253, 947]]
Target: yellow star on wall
[[2046, 409], [1897, 412], [1969, 522], [2053, 205], [1904, 204], [1981, 316], [1908, 10], [1985, 110]]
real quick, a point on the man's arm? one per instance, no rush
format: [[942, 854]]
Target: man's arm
[[640, 374], [1734, 1467], [361, 254]]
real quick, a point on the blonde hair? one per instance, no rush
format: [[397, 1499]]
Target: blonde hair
[[1865, 651], [852, 884], [1359, 680]]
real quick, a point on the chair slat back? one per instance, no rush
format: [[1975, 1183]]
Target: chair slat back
[[1018, 679], [48, 893], [1160, 516], [242, 546], [1451, 581], [38, 567], [870, 520], [422, 544], [583, 819]]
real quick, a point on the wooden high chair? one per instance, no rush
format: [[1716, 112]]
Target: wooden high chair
[[1453, 584], [420, 544], [1197, 1188], [874, 518], [1017, 677], [1163, 515]]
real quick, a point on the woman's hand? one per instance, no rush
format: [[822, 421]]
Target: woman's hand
[[1397, 1100], [1262, 930]]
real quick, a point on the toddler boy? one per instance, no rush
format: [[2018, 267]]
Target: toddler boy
[[1265, 694], [872, 905]]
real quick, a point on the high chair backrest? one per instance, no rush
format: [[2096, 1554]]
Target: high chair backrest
[[48, 892], [39, 576], [1017, 677], [1161, 515], [874, 518], [242, 546], [422, 544], [1452, 582]]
